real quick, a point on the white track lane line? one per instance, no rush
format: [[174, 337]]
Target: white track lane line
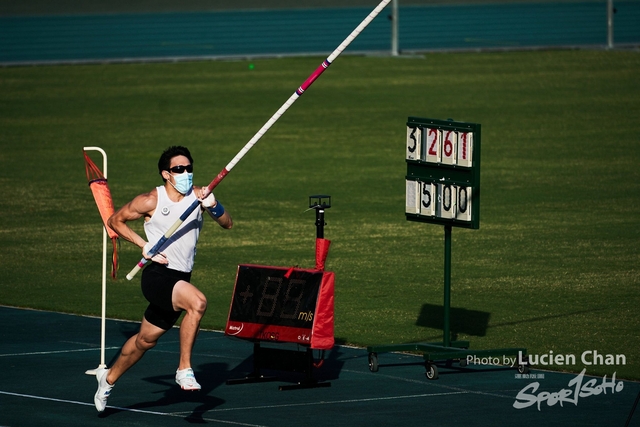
[[38, 353], [338, 402], [164, 414], [244, 408]]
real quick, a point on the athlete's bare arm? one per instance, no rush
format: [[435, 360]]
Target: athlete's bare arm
[[142, 206]]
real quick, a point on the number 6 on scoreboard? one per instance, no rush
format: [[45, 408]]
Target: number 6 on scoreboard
[[449, 145]]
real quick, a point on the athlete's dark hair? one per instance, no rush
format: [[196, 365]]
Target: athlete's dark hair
[[170, 153]]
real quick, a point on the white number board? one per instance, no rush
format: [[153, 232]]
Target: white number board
[[463, 203], [412, 197], [428, 199], [414, 143], [448, 147], [446, 201], [465, 149]]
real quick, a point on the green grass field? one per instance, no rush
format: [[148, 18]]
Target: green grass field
[[554, 263]]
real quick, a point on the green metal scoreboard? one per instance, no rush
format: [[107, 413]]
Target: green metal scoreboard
[[443, 172]]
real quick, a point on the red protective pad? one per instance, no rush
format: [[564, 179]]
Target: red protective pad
[[322, 334], [281, 304], [322, 250]]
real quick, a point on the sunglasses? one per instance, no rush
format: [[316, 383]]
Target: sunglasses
[[180, 169]]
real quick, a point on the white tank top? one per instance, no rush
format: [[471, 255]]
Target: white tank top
[[180, 248]]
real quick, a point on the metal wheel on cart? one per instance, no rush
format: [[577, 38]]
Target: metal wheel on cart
[[373, 362], [432, 371]]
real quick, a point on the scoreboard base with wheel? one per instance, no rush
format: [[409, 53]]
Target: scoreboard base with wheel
[[433, 353]]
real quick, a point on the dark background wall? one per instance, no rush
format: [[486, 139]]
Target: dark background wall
[[39, 31], [44, 7]]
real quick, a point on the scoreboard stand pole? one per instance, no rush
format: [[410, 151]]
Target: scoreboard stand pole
[[446, 341]]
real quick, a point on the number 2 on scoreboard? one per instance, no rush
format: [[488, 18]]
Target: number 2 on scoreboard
[[434, 140]]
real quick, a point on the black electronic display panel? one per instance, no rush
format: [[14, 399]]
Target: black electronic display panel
[[279, 304]]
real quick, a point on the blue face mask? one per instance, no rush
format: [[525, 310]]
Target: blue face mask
[[184, 182]]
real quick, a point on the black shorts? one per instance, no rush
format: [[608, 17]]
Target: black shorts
[[157, 285]]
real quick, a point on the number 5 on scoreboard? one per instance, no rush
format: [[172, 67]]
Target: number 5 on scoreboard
[[427, 199]]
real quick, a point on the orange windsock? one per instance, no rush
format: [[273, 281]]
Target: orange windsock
[[102, 196]]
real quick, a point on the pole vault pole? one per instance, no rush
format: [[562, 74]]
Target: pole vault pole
[[293, 98]]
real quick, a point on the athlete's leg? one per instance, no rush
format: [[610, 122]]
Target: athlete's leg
[[188, 298], [134, 349]]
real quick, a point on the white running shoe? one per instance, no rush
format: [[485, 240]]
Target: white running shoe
[[187, 380], [104, 389]]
